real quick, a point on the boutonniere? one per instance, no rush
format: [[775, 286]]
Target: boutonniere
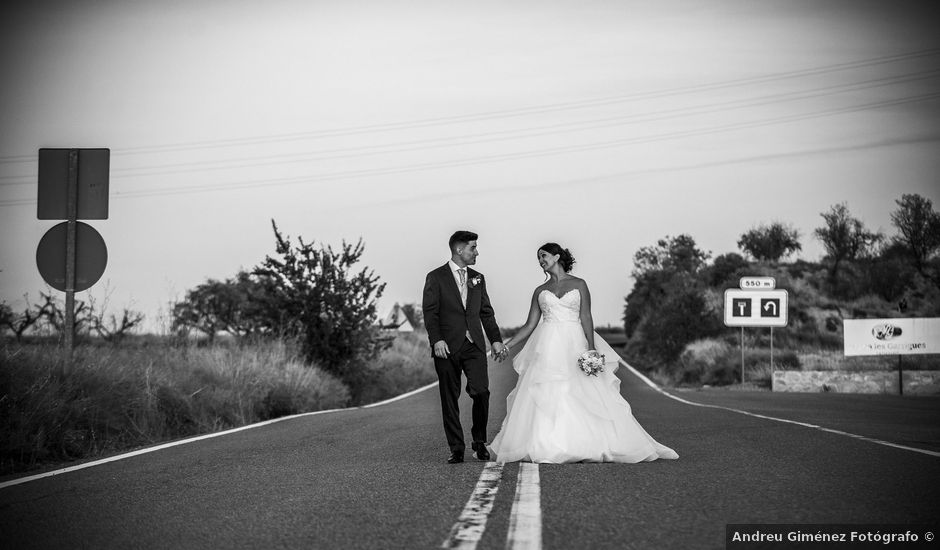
[[474, 281]]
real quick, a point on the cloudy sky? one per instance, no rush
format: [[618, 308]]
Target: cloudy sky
[[601, 125]]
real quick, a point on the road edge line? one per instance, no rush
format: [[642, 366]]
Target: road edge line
[[656, 387], [26, 479]]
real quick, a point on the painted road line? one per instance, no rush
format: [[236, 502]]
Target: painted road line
[[755, 415], [20, 480], [525, 520], [466, 533]]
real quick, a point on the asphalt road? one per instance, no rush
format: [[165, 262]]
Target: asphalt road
[[377, 478]]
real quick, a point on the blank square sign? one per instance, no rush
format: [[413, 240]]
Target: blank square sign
[[93, 168]]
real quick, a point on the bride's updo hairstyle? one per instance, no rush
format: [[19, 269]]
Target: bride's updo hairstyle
[[564, 255]]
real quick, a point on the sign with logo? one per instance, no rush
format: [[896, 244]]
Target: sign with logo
[[756, 308], [891, 336]]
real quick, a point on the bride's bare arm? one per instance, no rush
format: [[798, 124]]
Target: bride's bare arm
[[535, 313], [587, 321]]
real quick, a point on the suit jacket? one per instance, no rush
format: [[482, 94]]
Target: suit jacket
[[445, 316]]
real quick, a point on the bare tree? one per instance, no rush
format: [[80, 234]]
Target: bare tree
[[53, 313], [19, 323], [106, 325]]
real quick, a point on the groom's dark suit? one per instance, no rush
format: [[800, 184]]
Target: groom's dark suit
[[446, 319]]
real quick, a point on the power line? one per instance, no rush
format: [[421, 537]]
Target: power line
[[502, 157], [489, 137], [523, 111]]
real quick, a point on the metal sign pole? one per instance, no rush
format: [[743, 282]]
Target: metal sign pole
[[771, 351], [742, 355], [72, 210]]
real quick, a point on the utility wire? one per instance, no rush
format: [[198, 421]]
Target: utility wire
[[503, 135], [523, 111], [502, 157]]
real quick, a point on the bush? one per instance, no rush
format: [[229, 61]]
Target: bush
[[716, 362], [406, 365], [701, 358], [121, 397], [682, 317]]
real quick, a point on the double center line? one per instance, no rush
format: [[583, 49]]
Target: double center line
[[525, 520]]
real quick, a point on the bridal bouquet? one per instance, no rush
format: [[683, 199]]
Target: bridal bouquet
[[591, 362]]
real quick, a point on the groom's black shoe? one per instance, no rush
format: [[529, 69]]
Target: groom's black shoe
[[455, 458], [479, 449]]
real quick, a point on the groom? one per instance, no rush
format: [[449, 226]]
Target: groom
[[457, 311]]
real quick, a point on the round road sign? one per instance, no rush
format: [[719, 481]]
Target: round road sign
[[91, 256]]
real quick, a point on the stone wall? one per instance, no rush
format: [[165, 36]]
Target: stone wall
[[916, 382]]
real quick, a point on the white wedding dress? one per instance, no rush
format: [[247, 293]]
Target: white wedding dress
[[558, 414]]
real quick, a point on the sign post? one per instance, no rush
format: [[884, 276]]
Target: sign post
[[757, 303], [73, 184], [72, 213]]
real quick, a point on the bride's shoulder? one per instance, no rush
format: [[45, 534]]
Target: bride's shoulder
[[580, 284]]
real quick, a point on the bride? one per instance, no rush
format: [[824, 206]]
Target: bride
[[557, 413]]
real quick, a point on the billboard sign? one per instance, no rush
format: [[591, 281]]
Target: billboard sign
[[911, 336]]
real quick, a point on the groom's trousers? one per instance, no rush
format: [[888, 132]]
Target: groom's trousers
[[470, 360]]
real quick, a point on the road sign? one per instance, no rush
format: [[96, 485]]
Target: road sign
[[755, 308], [91, 256], [91, 189], [757, 283]]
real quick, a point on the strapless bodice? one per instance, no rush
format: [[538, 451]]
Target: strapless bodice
[[564, 309]]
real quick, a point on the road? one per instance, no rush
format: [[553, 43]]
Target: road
[[376, 478]]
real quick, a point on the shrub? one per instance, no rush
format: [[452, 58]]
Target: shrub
[[404, 366], [700, 358], [121, 397]]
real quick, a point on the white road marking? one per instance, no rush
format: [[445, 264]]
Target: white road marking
[[755, 415], [470, 525], [525, 520], [20, 480]]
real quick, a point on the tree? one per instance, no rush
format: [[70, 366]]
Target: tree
[[770, 242], [19, 323], [6, 316], [53, 312], [666, 286], [679, 316], [891, 273], [671, 254], [844, 237], [724, 268], [222, 306], [314, 292], [919, 227]]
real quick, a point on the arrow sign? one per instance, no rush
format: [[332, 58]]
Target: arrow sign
[[755, 308]]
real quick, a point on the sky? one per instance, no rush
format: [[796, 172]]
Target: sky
[[601, 125]]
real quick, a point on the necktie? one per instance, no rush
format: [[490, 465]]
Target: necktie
[[463, 285]]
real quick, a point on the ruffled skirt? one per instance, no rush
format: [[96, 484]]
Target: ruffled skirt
[[558, 414]]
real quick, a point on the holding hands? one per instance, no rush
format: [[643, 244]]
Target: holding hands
[[500, 351]]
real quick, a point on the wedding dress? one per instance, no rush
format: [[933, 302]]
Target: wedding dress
[[557, 413]]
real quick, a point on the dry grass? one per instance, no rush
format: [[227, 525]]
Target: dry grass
[[155, 389]]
